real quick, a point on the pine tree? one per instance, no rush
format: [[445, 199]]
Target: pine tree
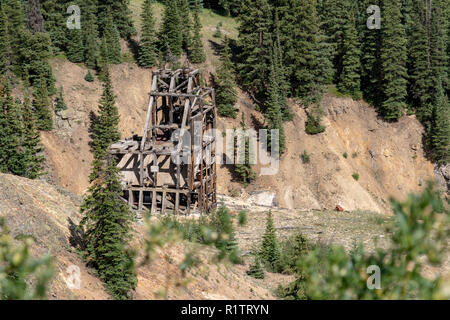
[[440, 127], [197, 53], [421, 86], [111, 38], [349, 81], [438, 46], [308, 53], [89, 77], [122, 16], [393, 57], [106, 130], [256, 270], [244, 170], [41, 106], [371, 84], [15, 161], [334, 17], [14, 10], [55, 22], [170, 35], [107, 232], [31, 143], [91, 43], [226, 95], [255, 21], [75, 47], [270, 252], [147, 45], [274, 102], [35, 56], [60, 103], [186, 24], [5, 50]]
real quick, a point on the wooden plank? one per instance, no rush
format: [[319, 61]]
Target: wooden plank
[[141, 200], [149, 112], [154, 202], [164, 202]]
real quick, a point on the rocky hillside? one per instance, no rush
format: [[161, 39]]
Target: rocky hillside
[[49, 214]]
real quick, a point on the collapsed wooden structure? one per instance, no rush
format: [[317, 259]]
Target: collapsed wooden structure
[[171, 168]]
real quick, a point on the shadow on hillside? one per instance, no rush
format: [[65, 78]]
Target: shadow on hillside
[[76, 235]]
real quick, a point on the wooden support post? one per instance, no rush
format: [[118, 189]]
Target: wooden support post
[[141, 201]]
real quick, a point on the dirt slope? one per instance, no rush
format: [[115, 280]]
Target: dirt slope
[[389, 159], [48, 213]]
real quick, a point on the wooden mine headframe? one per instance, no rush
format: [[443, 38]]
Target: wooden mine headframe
[[179, 109]]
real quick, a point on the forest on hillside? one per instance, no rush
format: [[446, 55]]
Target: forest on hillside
[[394, 54]]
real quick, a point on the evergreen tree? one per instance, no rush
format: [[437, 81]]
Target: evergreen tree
[[334, 17], [393, 57], [35, 56], [31, 143], [170, 35], [254, 38], [438, 45], [53, 12], [107, 225], [111, 42], [186, 24], [147, 45], [349, 81], [274, 102], [370, 57], [60, 103], [107, 219], [75, 47], [270, 252], [14, 10], [308, 52], [226, 95], [256, 270], [197, 53], [440, 127], [106, 130], [15, 160], [91, 43], [89, 77], [5, 50], [122, 16], [244, 170], [41, 106], [421, 86]]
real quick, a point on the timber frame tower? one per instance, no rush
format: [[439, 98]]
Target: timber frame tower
[[179, 110]]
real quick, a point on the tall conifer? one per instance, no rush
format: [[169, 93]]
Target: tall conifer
[[147, 45]]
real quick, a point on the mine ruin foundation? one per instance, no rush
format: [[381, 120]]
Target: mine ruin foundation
[[154, 176]]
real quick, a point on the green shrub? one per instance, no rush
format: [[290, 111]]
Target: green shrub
[[21, 276], [256, 270], [305, 157], [89, 77], [292, 249], [270, 250], [419, 238], [345, 155], [355, 176], [313, 125]]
